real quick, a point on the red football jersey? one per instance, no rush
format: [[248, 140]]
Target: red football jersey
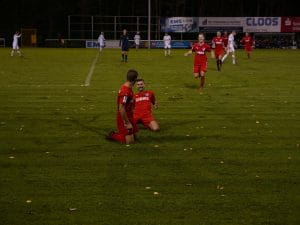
[[200, 52], [125, 97], [143, 101], [247, 41], [225, 40], [218, 43]]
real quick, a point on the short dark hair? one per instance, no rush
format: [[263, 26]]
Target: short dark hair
[[202, 35], [132, 75], [140, 79]]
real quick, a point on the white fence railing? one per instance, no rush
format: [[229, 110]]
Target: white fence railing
[[90, 26]]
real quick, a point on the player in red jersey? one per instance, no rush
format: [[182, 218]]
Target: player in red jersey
[[218, 46], [200, 60], [125, 121], [248, 44], [143, 102], [225, 39]]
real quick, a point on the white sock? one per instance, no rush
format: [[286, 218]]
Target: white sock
[[12, 53], [224, 57], [233, 59], [169, 52]]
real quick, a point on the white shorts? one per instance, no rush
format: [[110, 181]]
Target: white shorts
[[167, 46], [137, 43], [230, 48], [16, 47]]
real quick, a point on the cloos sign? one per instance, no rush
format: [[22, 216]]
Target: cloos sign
[[262, 24]]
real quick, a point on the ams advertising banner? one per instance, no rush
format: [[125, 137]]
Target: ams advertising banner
[[180, 24], [239, 24]]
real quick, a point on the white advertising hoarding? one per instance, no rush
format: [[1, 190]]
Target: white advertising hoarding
[[221, 21], [262, 24]]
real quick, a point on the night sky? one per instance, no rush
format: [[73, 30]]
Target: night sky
[[49, 17]]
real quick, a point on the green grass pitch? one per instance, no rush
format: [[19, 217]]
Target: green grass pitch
[[228, 156]]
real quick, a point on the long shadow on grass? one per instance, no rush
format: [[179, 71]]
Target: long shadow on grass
[[168, 139], [192, 86], [157, 137], [96, 130], [178, 124]]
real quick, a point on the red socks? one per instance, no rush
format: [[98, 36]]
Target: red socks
[[118, 137]]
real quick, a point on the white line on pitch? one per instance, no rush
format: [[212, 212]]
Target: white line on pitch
[[90, 74]]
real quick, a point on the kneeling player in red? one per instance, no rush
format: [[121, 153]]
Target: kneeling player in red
[[143, 102], [248, 44], [218, 46], [125, 122], [200, 61]]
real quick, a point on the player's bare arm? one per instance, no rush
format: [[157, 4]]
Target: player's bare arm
[[155, 105], [188, 53], [124, 116]]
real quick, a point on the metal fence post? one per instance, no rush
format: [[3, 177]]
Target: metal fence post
[[149, 24], [92, 20], [115, 28], [69, 27]]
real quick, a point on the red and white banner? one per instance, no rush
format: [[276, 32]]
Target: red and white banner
[[290, 24]]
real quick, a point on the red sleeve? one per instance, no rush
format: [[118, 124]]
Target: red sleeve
[[208, 48]]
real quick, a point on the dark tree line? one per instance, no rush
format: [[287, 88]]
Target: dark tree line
[[49, 17]]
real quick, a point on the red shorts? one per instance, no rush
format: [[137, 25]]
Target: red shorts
[[201, 67], [219, 53], [145, 119], [122, 129], [248, 48]]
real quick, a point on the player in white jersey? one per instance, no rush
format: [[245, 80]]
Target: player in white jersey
[[101, 41], [137, 39], [167, 44], [230, 47], [15, 44]]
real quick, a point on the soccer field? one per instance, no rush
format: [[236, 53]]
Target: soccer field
[[228, 156]]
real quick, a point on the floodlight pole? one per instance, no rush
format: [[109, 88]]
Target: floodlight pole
[[69, 27], [149, 24]]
